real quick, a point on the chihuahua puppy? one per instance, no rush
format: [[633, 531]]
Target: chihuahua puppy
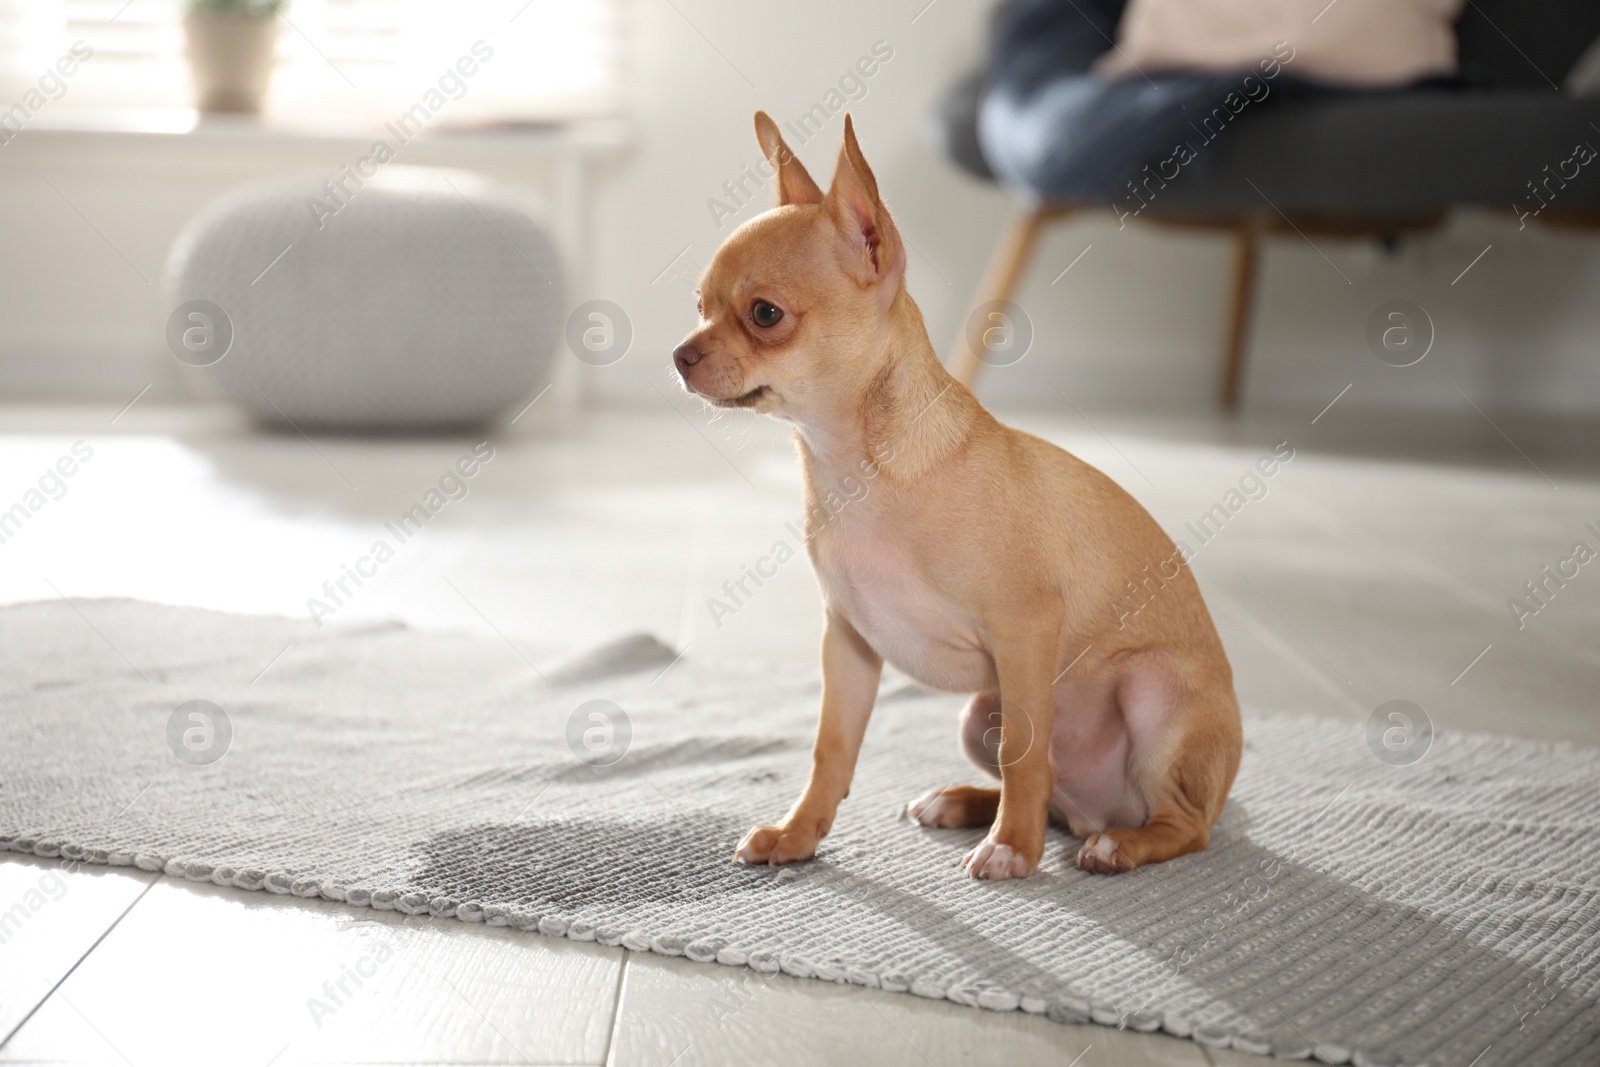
[[982, 560]]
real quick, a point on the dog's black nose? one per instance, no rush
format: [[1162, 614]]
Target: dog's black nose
[[686, 355]]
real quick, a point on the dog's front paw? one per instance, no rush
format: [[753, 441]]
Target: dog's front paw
[[1101, 855], [776, 845], [997, 862]]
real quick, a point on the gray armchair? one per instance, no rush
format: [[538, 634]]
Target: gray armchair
[[1330, 163]]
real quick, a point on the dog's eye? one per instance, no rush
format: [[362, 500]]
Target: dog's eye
[[765, 314]]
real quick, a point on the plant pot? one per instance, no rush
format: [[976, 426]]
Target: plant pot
[[230, 58]]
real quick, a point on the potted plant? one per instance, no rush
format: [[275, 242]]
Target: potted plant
[[231, 47]]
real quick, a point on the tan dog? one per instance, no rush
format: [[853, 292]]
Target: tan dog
[[982, 560]]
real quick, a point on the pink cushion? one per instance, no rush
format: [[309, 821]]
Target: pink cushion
[[1370, 43]]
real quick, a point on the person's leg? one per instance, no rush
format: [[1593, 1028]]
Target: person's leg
[[1051, 127], [1079, 138]]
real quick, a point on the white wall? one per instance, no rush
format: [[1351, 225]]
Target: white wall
[[1138, 320]]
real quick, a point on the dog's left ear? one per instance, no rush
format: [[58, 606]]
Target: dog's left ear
[[870, 245]]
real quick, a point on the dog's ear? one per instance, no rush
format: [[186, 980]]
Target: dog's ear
[[872, 249], [794, 181]]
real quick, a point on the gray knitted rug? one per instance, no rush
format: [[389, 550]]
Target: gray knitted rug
[[1347, 910]]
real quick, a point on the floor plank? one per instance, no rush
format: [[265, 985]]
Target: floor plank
[[687, 1014], [204, 975], [51, 914]]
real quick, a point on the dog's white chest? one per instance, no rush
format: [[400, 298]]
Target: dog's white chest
[[868, 577]]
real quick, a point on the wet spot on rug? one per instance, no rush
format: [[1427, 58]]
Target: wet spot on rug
[[577, 862]]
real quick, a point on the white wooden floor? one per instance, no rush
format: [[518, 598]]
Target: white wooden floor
[[1378, 565]]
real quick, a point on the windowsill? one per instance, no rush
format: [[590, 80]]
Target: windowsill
[[589, 135]]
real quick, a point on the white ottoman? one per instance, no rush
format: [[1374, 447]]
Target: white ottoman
[[421, 299]]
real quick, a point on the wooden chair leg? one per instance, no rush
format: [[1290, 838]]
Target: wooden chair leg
[[1000, 279], [1244, 283]]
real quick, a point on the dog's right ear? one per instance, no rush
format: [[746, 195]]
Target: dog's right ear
[[794, 182]]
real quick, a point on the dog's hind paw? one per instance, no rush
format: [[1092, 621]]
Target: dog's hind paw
[[1101, 855], [928, 808], [955, 806]]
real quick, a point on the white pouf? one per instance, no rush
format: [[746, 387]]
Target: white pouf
[[420, 299]]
